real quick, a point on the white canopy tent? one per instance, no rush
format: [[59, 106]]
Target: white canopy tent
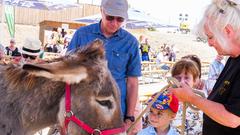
[[136, 19]]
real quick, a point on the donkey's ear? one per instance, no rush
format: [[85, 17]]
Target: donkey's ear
[[95, 49], [57, 71]]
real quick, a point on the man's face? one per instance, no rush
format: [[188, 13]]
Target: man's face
[[12, 43], [110, 24]]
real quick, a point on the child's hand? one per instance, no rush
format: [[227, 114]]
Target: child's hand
[[199, 85]]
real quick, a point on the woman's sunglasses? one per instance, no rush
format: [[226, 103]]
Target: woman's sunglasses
[[29, 56], [111, 18]]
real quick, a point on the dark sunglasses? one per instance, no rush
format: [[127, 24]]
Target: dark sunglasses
[[111, 18], [29, 56]]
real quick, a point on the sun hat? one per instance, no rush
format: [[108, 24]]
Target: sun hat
[[165, 101], [115, 8], [31, 47]]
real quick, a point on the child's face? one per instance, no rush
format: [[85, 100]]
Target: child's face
[[186, 78], [160, 118]]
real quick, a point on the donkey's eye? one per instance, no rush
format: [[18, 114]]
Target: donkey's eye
[[106, 103]]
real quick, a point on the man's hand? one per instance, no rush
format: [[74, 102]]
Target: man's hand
[[127, 123]]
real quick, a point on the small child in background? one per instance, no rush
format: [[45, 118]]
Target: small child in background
[[187, 71], [200, 83], [161, 113]]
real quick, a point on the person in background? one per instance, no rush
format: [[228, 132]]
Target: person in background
[[160, 57], [215, 69], [161, 114], [141, 39], [12, 50], [221, 26], [200, 84], [167, 53], [65, 46], [31, 51], [173, 53], [186, 71], [122, 52], [145, 48]]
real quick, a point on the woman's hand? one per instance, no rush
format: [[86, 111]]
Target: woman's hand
[[184, 93]]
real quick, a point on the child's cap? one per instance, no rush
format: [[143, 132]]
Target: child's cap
[[165, 101]]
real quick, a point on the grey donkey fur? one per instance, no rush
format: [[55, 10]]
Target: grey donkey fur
[[32, 96]]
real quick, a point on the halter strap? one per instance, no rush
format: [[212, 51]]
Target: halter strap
[[69, 116]]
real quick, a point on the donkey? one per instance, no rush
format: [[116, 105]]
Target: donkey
[[32, 96]]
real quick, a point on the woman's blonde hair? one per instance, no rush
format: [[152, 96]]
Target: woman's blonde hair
[[217, 16], [186, 66]]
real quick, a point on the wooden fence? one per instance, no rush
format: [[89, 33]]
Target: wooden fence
[[152, 72]]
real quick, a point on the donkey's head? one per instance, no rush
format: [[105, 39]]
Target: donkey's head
[[95, 97]]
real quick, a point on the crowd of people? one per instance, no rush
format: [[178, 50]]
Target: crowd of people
[[58, 40], [124, 53], [164, 53], [30, 52]]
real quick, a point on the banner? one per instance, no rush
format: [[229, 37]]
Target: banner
[[9, 15]]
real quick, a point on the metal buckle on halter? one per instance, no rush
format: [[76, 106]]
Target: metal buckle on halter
[[68, 114], [96, 132]]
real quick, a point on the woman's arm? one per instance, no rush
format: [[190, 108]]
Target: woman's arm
[[214, 110]]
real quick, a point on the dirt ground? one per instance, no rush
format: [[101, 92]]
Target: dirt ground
[[185, 43]]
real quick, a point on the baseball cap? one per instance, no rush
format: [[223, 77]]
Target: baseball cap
[[116, 8], [165, 101], [31, 47]]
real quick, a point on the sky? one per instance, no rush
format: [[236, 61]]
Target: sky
[[167, 11]]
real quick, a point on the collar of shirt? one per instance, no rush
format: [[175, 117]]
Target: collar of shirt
[[97, 30], [171, 131]]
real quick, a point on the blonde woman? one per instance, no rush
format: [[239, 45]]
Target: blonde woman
[[221, 26]]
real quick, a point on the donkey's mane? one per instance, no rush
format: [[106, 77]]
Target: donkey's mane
[[15, 77], [86, 54]]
